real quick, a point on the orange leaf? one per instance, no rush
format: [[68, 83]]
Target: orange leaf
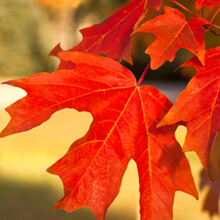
[[124, 127], [174, 32], [198, 106]]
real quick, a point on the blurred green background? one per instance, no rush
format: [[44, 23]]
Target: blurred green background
[[29, 29]]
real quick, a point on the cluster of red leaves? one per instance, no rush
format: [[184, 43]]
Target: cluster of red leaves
[[129, 121]]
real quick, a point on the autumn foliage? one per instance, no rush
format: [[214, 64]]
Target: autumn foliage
[[130, 120]]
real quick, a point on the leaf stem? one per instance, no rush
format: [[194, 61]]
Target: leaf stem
[[215, 15], [213, 25], [183, 7], [208, 28], [143, 74], [209, 25]]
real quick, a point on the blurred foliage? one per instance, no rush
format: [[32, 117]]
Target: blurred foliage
[[60, 3], [31, 201], [22, 30], [31, 28]]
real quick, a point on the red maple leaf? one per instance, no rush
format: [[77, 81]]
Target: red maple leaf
[[113, 37], [124, 127], [198, 106], [174, 32], [208, 3]]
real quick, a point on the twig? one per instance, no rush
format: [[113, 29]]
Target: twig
[[143, 74], [213, 17], [183, 7]]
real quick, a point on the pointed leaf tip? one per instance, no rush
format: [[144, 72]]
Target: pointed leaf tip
[[181, 32], [198, 107]]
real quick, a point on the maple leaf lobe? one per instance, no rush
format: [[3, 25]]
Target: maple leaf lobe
[[173, 33], [198, 106], [99, 38], [160, 161]]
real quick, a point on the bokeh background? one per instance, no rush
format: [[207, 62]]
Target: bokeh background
[[29, 29]]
